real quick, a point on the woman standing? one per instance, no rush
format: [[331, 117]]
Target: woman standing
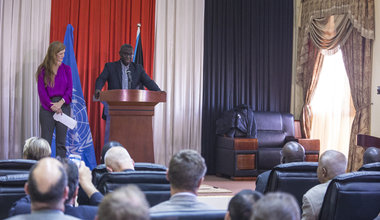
[[55, 87]]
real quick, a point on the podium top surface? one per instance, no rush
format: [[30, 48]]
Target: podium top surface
[[132, 96]]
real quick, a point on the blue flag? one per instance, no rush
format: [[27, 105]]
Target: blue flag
[[138, 56], [78, 140]]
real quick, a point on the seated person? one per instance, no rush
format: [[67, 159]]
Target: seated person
[[276, 206], [83, 212], [240, 206], [371, 155], [125, 203], [36, 148], [88, 194], [291, 152], [48, 190], [185, 173], [106, 147], [331, 164], [117, 159]]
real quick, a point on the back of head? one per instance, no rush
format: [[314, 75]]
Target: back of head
[[36, 148], [106, 147], [241, 205], [72, 176], [117, 159], [276, 206], [47, 183], [292, 152], [125, 203], [371, 155], [186, 169], [331, 163]]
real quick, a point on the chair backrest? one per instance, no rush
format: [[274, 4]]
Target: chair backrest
[[99, 170], [370, 167], [11, 190], [15, 166], [294, 178], [352, 196], [189, 215], [153, 183], [273, 128]]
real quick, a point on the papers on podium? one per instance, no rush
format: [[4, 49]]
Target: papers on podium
[[65, 119]]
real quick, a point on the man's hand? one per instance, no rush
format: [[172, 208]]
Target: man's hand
[[97, 93], [85, 180]]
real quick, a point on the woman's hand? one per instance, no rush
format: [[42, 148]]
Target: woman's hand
[[56, 107]]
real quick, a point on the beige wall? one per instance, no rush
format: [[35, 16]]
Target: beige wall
[[297, 101]]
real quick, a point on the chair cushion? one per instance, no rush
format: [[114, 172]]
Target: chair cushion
[[15, 166], [370, 167]]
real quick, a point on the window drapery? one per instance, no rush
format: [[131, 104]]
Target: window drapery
[[352, 19]]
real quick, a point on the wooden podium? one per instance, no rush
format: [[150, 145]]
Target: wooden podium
[[131, 114]]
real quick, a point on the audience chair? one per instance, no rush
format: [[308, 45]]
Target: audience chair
[[11, 190], [352, 196], [189, 215], [295, 178], [153, 183], [98, 171], [15, 166], [370, 167]]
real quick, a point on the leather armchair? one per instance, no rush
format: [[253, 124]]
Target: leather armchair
[[294, 178], [11, 190], [352, 196], [370, 167], [154, 184], [15, 166], [99, 170], [247, 157]]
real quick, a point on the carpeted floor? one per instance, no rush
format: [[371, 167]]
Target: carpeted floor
[[217, 191]]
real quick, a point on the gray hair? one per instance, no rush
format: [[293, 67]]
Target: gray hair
[[36, 148], [117, 158], [276, 206], [186, 169], [124, 203]]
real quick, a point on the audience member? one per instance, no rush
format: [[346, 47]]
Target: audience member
[[276, 206], [331, 163], [125, 203], [371, 155], [48, 190], [117, 159], [106, 147], [185, 173], [36, 148], [88, 194], [83, 212], [241, 205], [291, 152]]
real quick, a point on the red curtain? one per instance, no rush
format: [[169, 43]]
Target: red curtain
[[100, 28]]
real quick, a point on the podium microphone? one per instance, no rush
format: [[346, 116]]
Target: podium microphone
[[129, 79]]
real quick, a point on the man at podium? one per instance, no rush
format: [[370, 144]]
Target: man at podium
[[122, 74]]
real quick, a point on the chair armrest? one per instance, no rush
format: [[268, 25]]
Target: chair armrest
[[310, 144]]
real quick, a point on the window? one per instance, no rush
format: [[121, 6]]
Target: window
[[332, 107]]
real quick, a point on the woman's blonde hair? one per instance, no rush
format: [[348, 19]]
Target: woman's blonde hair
[[36, 148], [48, 63]]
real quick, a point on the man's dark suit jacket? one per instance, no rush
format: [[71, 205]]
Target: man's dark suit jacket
[[22, 206], [112, 74]]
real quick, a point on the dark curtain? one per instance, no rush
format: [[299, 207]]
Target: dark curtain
[[247, 60]]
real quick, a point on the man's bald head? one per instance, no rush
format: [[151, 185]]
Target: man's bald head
[[371, 155], [47, 184], [117, 159], [292, 152], [331, 163]]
